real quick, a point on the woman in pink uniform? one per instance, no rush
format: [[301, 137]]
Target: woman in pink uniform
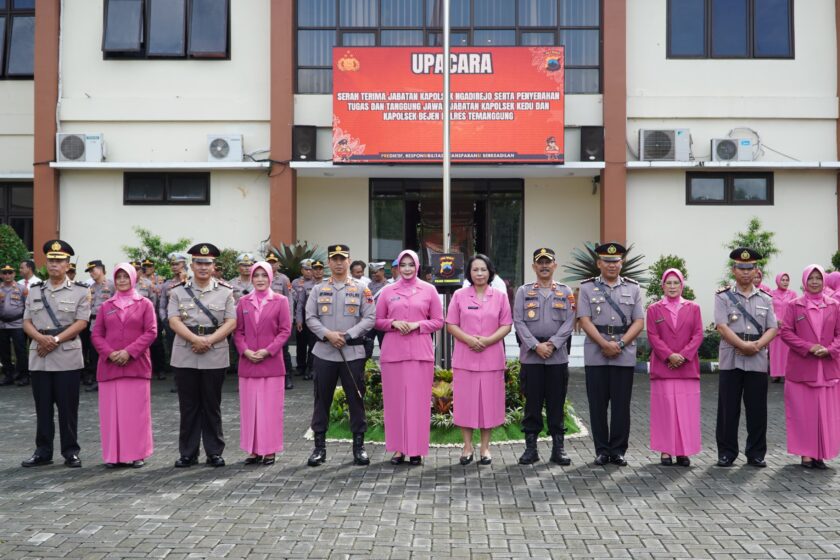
[[782, 295], [811, 328], [758, 281], [263, 324], [408, 312], [122, 334], [479, 318], [831, 284], [675, 332]]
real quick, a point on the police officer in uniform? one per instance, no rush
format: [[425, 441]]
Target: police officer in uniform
[[242, 284], [339, 312], [56, 313], [178, 265], [611, 314], [377, 282], [146, 287], [202, 314], [12, 303], [544, 315], [303, 338], [746, 322], [282, 285], [71, 272], [100, 291]]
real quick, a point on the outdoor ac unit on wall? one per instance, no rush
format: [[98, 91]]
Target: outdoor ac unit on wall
[[79, 147], [224, 147], [665, 145], [732, 149]]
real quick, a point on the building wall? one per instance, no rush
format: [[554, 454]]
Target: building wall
[[803, 217], [331, 211], [16, 126]]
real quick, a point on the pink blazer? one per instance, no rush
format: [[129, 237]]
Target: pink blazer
[[665, 340], [798, 332], [397, 303], [271, 333], [134, 333], [478, 318]]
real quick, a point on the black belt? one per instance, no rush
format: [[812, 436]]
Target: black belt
[[543, 338], [52, 332], [611, 329], [201, 330], [10, 319], [748, 337], [93, 315], [355, 341]]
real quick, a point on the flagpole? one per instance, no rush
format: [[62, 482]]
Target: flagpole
[[447, 225]]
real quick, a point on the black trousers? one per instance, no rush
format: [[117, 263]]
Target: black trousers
[[733, 386], [304, 340], [13, 338], [169, 339], [326, 375], [287, 359], [547, 384], [609, 387], [91, 356], [200, 403], [59, 388], [157, 354]]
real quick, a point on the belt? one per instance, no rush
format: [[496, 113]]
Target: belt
[[543, 338], [748, 337], [93, 315], [611, 329], [52, 332], [355, 341], [201, 330], [10, 319]]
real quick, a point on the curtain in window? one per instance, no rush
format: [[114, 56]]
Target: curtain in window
[[582, 48], [579, 12], [357, 13], [316, 13], [402, 13], [401, 38], [314, 48], [537, 13], [459, 13], [494, 13]]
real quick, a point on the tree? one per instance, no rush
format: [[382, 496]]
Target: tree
[[226, 261], [585, 265], [657, 269], [290, 256], [152, 247], [12, 248], [754, 238]]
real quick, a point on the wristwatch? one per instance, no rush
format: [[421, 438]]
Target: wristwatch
[[621, 344], [55, 339]]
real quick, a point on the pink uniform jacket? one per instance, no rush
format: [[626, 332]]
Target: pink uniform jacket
[[133, 330], [665, 340], [416, 303], [270, 332], [479, 318], [799, 335]]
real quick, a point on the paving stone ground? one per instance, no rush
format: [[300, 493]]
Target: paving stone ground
[[439, 510]]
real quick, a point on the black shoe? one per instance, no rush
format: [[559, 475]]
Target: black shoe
[[23, 381], [777, 380], [683, 461], [807, 464], [138, 464], [530, 455], [466, 459], [307, 376], [725, 461], [319, 454], [289, 384], [93, 388], [88, 381], [666, 461], [485, 460], [300, 371], [360, 456], [184, 462], [759, 463], [161, 376], [558, 452], [215, 461], [601, 460], [415, 460], [398, 459], [618, 460], [7, 381], [820, 464], [73, 462], [268, 460], [252, 460], [36, 461], [111, 465]]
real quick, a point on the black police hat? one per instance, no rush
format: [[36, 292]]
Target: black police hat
[[6, 268], [744, 257], [544, 253], [342, 250], [317, 264], [204, 252], [92, 264], [58, 249], [271, 257], [72, 267], [148, 262], [610, 252]]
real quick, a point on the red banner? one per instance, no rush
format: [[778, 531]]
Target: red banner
[[506, 104]]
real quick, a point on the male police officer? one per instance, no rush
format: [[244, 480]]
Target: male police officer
[[178, 265], [242, 284], [611, 314], [544, 315], [56, 312], [377, 282], [101, 290], [339, 312], [12, 303], [147, 288], [746, 322], [280, 284], [202, 314], [303, 337]]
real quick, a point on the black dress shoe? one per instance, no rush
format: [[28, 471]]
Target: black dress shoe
[[252, 460], [415, 460], [268, 460], [184, 462], [618, 460], [307, 376], [807, 464], [93, 388], [23, 381], [759, 463], [666, 461], [161, 376], [215, 461], [683, 461], [7, 381], [73, 462], [725, 461], [36, 461], [398, 459], [289, 384], [138, 464], [111, 465], [820, 464], [466, 459], [601, 460], [485, 460]]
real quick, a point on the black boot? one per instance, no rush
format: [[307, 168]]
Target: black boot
[[530, 456], [360, 456], [319, 454], [558, 453]]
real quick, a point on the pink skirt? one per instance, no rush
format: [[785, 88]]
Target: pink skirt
[[407, 396], [675, 416], [261, 414], [812, 415], [125, 419], [479, 398], [779, 351]]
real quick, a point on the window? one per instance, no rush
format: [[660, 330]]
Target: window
[[166, 188], [16, 208], [17, 39], [730, 28], [166, 29], [323, 24], [751, 189]]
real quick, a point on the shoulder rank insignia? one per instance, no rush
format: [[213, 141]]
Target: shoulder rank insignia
[[225, 284], [588, 280], [80, 284], [722, 289], [630, 280]]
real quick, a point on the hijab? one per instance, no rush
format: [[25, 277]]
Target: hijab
[[410, 282], [832, 280], [673, 304], [782, 294], [810, 297], [259, 298], [126, 298]]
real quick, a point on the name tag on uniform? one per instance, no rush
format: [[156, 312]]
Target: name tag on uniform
[[245, 311], [659, 320], [760, 307], [473, 307], [324, 299], [393, 298], [800, 317], [111, 312], [559, 305]]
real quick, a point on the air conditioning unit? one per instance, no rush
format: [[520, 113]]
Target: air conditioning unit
[[79, 147], [224, 147], [732, 149], [665, 145]]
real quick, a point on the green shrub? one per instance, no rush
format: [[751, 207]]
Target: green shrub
[[755, 238], [443, 374], [339, 409], [584, 265], [835, 261], [657, 269], [12, 248], [711, 341], [152, 247]]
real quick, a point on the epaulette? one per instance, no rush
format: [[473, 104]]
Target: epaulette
[[765, 292], [76, 282], [630, 280], [722, 289], [588, 280], [225, 284], [175, 285]]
